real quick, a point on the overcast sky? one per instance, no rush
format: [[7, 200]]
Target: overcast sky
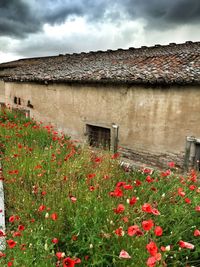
[[31, 28]]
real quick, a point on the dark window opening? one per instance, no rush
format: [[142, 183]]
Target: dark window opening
[[98, 136], [17, 100], [22, 112]]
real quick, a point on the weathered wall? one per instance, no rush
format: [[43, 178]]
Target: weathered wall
[[153, 122], [2, 92]]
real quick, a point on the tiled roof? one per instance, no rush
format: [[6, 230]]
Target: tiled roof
[[168, 64]]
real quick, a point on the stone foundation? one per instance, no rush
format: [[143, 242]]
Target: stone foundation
[[158, 160]]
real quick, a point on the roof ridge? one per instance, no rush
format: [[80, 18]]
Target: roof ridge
[[163, 64], [142, 48]]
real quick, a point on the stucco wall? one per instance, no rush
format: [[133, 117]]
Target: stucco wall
[[2, 92], [152, 121]]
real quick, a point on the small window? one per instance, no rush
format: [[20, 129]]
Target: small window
[[19, 101], [98, 136], [15, 100], [22, 112]]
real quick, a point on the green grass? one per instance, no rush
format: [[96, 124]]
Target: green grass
[[43, 170]]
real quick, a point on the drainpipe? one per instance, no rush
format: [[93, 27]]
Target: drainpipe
[[114, 138], [189, 152]]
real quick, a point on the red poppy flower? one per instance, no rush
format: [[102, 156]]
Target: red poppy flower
[[16, 234], [151, 262], [124, 255], [73, 199], [98, 160], [43, 193], [54, 216], [155, 211], [192, 187], [74, 237], [147, 208], [68, 262], [119, 184], [42, 208], [77, 260], [54, 240], [171, 164], [119, 231], [115, 156], [2, 233], [12, 218], [187, 200], [86, 257], [91, 175], [149, 179], [197, 208], [119, 209], [128, 186], [60, 255], [117, 192], [14, 172], [196, 232], [184, 244], [11, 243], [21, 227], [152, 248], [138, 183], [147, 171], [180, 192], [158, 231], [166, 173], [147, 225], [163, 249], [132, 201], [125, 219], [10, 263], [92, 188], [23, 246], [134, 230], [2, 254]]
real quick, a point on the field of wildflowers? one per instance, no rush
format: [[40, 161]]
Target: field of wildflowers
[[70, 206]]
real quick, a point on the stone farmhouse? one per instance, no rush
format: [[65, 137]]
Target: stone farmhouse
[[143, 102]]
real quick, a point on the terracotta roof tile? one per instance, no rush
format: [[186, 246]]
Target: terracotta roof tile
[[173, 63]]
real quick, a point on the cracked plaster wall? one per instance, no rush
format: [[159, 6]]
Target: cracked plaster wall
[[154, 121]]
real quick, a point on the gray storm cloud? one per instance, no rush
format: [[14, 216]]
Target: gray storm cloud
[[162, 13], [18, 18]]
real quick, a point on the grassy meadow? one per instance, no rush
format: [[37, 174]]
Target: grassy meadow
[[71, 206]]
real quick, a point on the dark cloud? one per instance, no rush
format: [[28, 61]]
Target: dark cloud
[[185, 12], [164, 13], [57, 11], [18, 18]]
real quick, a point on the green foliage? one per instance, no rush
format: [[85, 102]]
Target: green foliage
[[55, 189]]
